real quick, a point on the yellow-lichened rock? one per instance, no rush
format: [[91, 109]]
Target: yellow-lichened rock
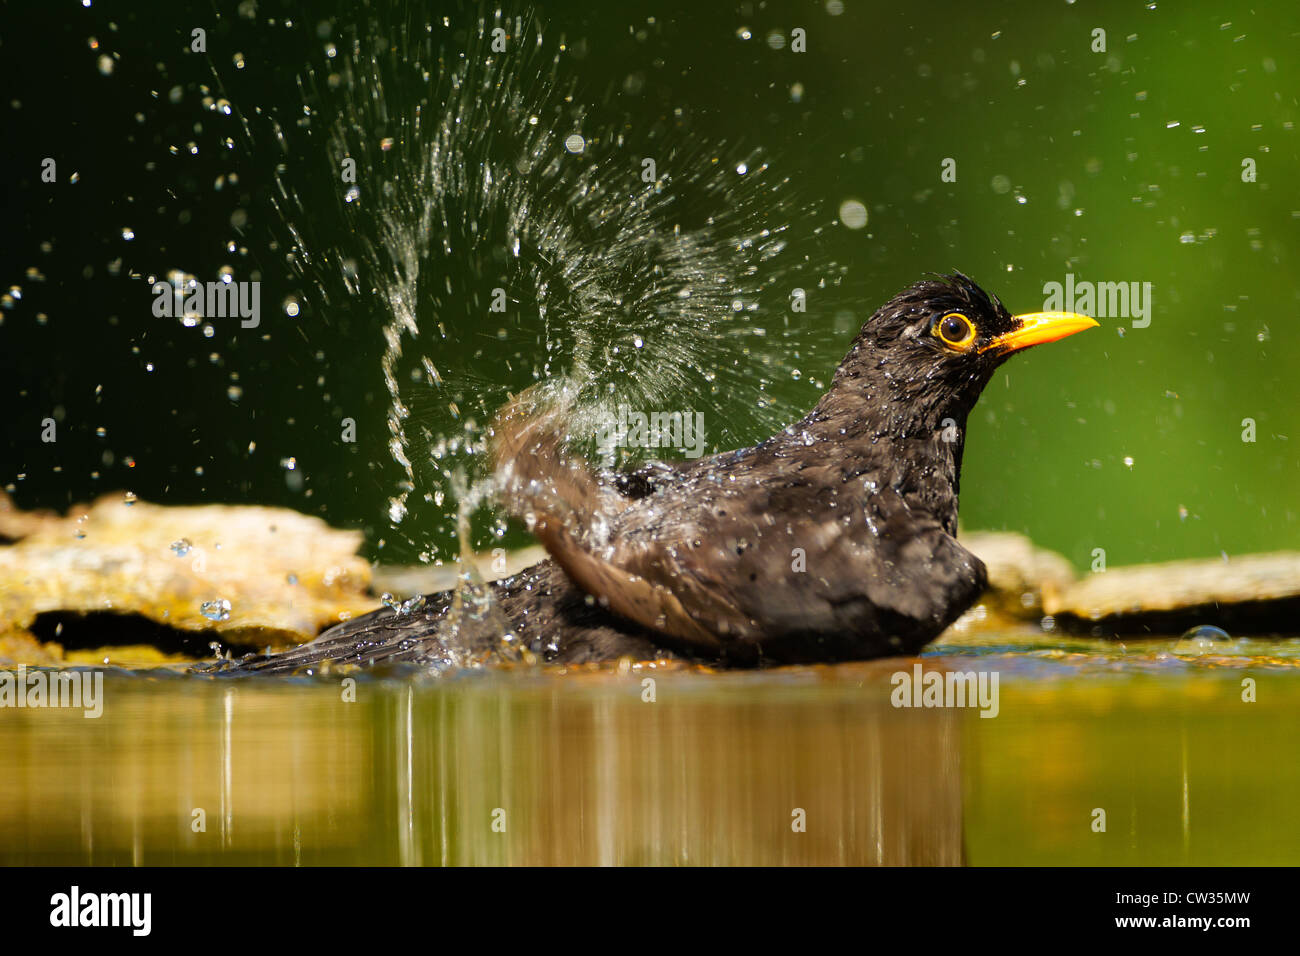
[[285, 575]]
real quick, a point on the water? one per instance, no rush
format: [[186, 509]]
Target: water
[[713, 770], [493, 212]]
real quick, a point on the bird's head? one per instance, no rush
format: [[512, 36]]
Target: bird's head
[[927, 353]]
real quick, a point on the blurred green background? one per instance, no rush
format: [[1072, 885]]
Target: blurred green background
[[1117, 166]]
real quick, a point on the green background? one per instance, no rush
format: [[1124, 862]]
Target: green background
[[1128, 163]]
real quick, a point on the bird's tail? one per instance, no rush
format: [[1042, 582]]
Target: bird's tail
[[538, 477], [384, 636], [573, 513]]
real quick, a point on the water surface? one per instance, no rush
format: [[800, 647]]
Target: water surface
[[580, 768]]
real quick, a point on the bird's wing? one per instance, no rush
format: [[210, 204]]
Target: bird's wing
[[572, 512], [754, 560], [737, 555]]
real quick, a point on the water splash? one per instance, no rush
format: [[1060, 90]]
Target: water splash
[[646, 267]]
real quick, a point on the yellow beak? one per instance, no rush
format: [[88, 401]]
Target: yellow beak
[[1039, 328]]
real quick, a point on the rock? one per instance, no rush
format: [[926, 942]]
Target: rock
[[1250, 594], [250, 576], [19, 647], [1020, 573], [15, 524]]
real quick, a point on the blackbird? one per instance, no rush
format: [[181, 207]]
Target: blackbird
[[834, 539]]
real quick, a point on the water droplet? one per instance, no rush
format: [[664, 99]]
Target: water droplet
[[182, 547], [218, 610], [853, 214], [410, 605], [1203, 639]]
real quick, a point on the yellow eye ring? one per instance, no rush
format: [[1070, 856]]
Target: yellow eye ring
[[954, 330]]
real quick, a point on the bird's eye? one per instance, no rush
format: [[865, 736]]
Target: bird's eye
[[955, 330]]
